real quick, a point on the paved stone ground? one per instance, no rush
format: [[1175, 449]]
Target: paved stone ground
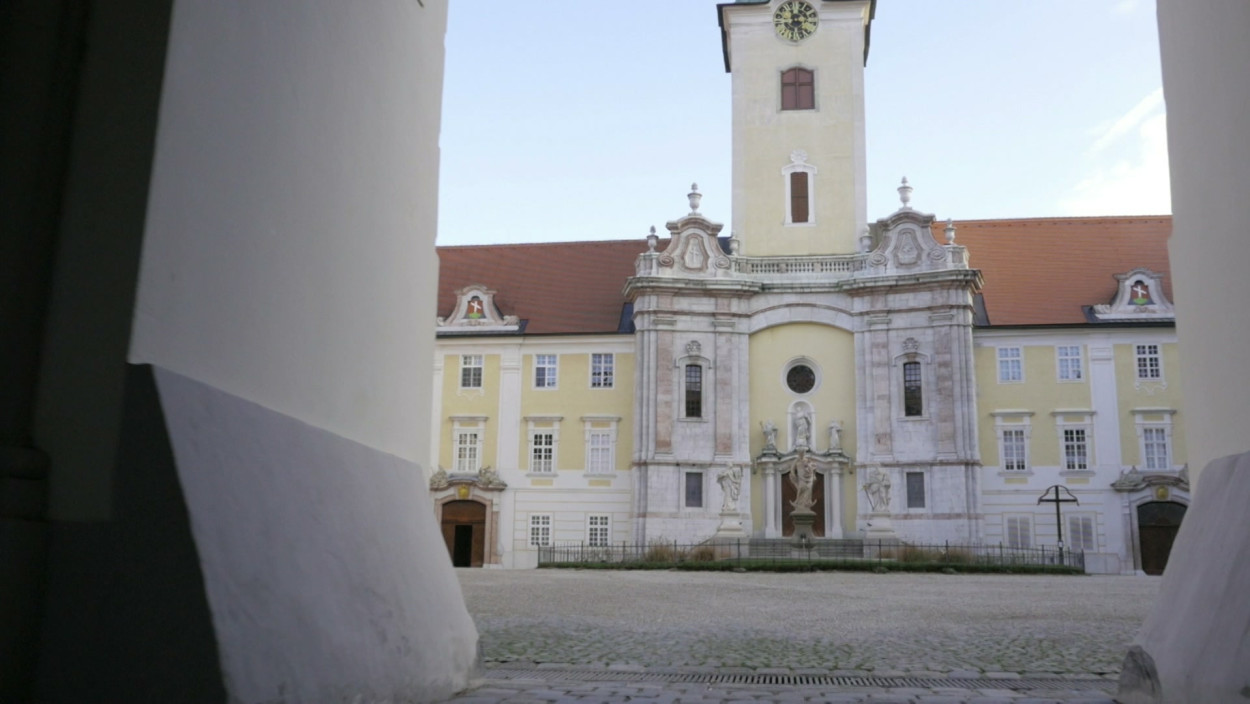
[[571, 635]]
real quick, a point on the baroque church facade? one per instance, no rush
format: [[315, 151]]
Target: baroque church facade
[[929, 379]]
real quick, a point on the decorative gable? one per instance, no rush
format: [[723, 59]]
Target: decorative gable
[[693, 250], [904, 243], [1139, 297], [475, 313]]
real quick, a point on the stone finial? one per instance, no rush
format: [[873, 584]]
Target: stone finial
[[734, 245], [950, 231], [652, 240], [695, 198], [865, 240], [904, 194]]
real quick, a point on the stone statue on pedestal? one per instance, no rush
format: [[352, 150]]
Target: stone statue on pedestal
[[730, 481], [877, 489], [803, 477], [835, 436], [770, 435], [802, 431]]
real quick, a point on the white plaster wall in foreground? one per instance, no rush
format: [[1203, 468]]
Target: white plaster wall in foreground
[[286, 299]]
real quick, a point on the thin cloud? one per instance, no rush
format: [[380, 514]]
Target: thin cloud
[[1129, 180], [1148, 108]]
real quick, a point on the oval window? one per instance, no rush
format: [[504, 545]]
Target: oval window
[[800, 378]]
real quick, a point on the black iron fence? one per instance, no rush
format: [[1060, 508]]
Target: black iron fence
[[865, 553]]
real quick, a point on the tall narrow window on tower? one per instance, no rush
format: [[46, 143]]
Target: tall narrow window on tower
[[694, 391], [797, 90], [798, 197], [913, 398]]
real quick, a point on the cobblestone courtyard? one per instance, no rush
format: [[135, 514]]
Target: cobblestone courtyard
[[845, 624]]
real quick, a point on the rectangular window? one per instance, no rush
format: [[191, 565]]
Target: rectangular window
[[913, 398], [1155, 448], [694, 489], [467, 455], [544, 371], [1069, 358], [1014, 459], [540, 530], [470, 371], [799, 200], [598, 531], [694, 391], [915, 489], [797, 90], [602, 369], [542, 452], [1019, 531], [1010, 367], [1080, 533], [599, 452], [1148, 366], [1075, 449]]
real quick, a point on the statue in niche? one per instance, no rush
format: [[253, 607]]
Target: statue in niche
[[730, 481], [877, 489], [835, 436], [803, 477], [770, 435], [802, 431]]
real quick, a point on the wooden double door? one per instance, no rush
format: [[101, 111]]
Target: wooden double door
[[1157, 525], [464, 531]]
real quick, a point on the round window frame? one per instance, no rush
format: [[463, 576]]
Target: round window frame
[[801, 362]]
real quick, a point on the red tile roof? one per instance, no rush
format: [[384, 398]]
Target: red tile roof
[[1039, 271], [559, 287], [1042, 271]]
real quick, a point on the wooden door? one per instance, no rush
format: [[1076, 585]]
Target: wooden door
[[464, 531], [1157, 525]]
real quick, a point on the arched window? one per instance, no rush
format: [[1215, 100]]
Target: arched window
[[913, 394], [797, 89], [694, 391]]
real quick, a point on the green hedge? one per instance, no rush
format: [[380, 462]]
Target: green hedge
[[749, 565]]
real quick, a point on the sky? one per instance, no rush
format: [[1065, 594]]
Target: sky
[[590, 121]]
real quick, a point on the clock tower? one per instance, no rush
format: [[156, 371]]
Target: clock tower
[[798, 123]]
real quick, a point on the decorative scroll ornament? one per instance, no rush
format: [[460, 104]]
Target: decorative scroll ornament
[[694, 349]]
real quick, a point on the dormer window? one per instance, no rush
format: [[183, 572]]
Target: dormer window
[[798, 90]]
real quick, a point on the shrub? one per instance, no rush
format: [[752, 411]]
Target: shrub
[[702, 553], [660, 550]]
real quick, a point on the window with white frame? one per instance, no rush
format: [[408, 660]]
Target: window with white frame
[[602, 370], [1149, 366], [1015, 454], [1018, 531], [1075, 449], [598, 530], [545, 371], [913, 390], [1010, 365], [1068, 358], [468, 451], [599, 451], [1155, 448], [540, 530], [542, 452], [470, 371], [1081, 533], [915, 489]]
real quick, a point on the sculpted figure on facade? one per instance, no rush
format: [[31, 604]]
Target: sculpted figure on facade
[[877, 488], [802, 431], [730, 481], [439, 480], [488, 477], [803, 477], [770, 435], [835, 436]]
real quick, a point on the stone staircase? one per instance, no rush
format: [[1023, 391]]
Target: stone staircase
[[821, 548]]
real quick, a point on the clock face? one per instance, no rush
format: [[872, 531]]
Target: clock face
[[795, 20]]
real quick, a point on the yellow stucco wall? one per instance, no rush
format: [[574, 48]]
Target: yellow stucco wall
[[832, 134], [572, 399], [1041, 392], [831, 353], [1163, 394], [469, 402]]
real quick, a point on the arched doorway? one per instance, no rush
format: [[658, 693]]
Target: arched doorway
[[464, 530], [1157, 525]]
